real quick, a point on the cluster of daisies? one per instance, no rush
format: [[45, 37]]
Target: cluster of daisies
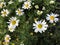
[[39, 26], [13, 22]]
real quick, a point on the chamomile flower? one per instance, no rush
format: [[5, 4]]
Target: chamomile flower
[[26, 5], [7, 38], [40, 26], [11, 28], [2, 4], [52, 17], [13, 22], [4, 13], [19, 12]]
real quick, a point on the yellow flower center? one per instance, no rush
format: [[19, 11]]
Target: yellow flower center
[[26, 5], [13, 22], [4, 13], [51, 17], [7, 38], [40, 26], [19, 12]]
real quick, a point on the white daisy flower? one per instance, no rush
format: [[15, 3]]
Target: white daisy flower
[[11, 28], [13, 22], [4, 13], [10, 2], [7, 38], [19, 12], [40, 26], [26, 5], [52, 17], [2, 4]]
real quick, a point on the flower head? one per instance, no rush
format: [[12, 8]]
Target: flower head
[[7, 38], [4, 13], [2, 4], [11, 28], [52, 17], [40, 26], [26, 5], [13, 22], [19, 12]]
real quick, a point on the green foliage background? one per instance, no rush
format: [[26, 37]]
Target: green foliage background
[[24, 32]]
